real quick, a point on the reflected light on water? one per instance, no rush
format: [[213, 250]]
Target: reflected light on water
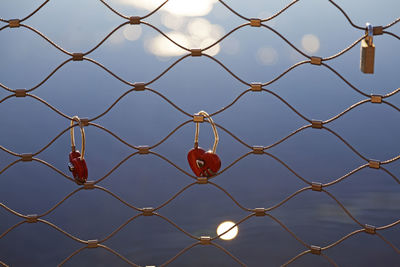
[[267, 55], [190, 33], [190, 8], [310, 43], [198, 33], [213, 50], [172, 21], [224, 226], [199, 27], [217, 31], [132, 33], [161, 46]]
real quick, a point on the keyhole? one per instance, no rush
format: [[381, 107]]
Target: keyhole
[[71, 167], [200, 163]]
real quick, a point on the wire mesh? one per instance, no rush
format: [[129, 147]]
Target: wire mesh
[[196, 181]]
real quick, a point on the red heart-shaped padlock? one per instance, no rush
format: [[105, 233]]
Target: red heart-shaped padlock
[[203, 164], [78, 167]]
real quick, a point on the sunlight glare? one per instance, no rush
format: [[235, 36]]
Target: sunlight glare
[[190, 8], [224, 226], [190, 33], [161, 46], [197, 33]]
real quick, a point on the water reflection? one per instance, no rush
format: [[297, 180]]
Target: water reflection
[[132, 33], [310, 43], [225, 226], [198, 33], [172, 21], [190, 8], [188, 32], [379, 202], [162, 47]]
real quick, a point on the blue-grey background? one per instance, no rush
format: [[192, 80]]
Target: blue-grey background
[[83, 89]]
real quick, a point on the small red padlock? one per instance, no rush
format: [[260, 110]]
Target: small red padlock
[[202, 163], [77, 163]]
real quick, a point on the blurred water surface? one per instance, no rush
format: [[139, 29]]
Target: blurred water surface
[[139, 53]]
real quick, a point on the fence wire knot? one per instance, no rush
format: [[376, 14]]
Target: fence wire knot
[[196, 52], [258, 149], [149, 211], [93, 243], [315, 250], [205, 240], [260, 212], [370, 229], [134, 20], [20, 92], [77, 56], [89, 185], [14, 23], [375, 164], [256, 87], [255, 22], [139, 86], [316, 186], [32, 218], [27, 157], [376, 99]]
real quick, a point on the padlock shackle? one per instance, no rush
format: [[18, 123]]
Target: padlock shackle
[[214, 128], [370, 33], [77, 119]]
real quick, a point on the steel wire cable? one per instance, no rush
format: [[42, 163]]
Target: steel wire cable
[[252, 212]]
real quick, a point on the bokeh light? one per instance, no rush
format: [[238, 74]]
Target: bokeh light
[[214, 50], [132, 33], [310, 43], [172, 21], [267, 55], [190, 8], [194, 33], [224, 226], [161, 46]]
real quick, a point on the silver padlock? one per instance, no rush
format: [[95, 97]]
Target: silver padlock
[[367, 51]]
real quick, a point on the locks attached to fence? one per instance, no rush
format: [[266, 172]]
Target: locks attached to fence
[[367, 51], [202, 163], [77, 163]]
